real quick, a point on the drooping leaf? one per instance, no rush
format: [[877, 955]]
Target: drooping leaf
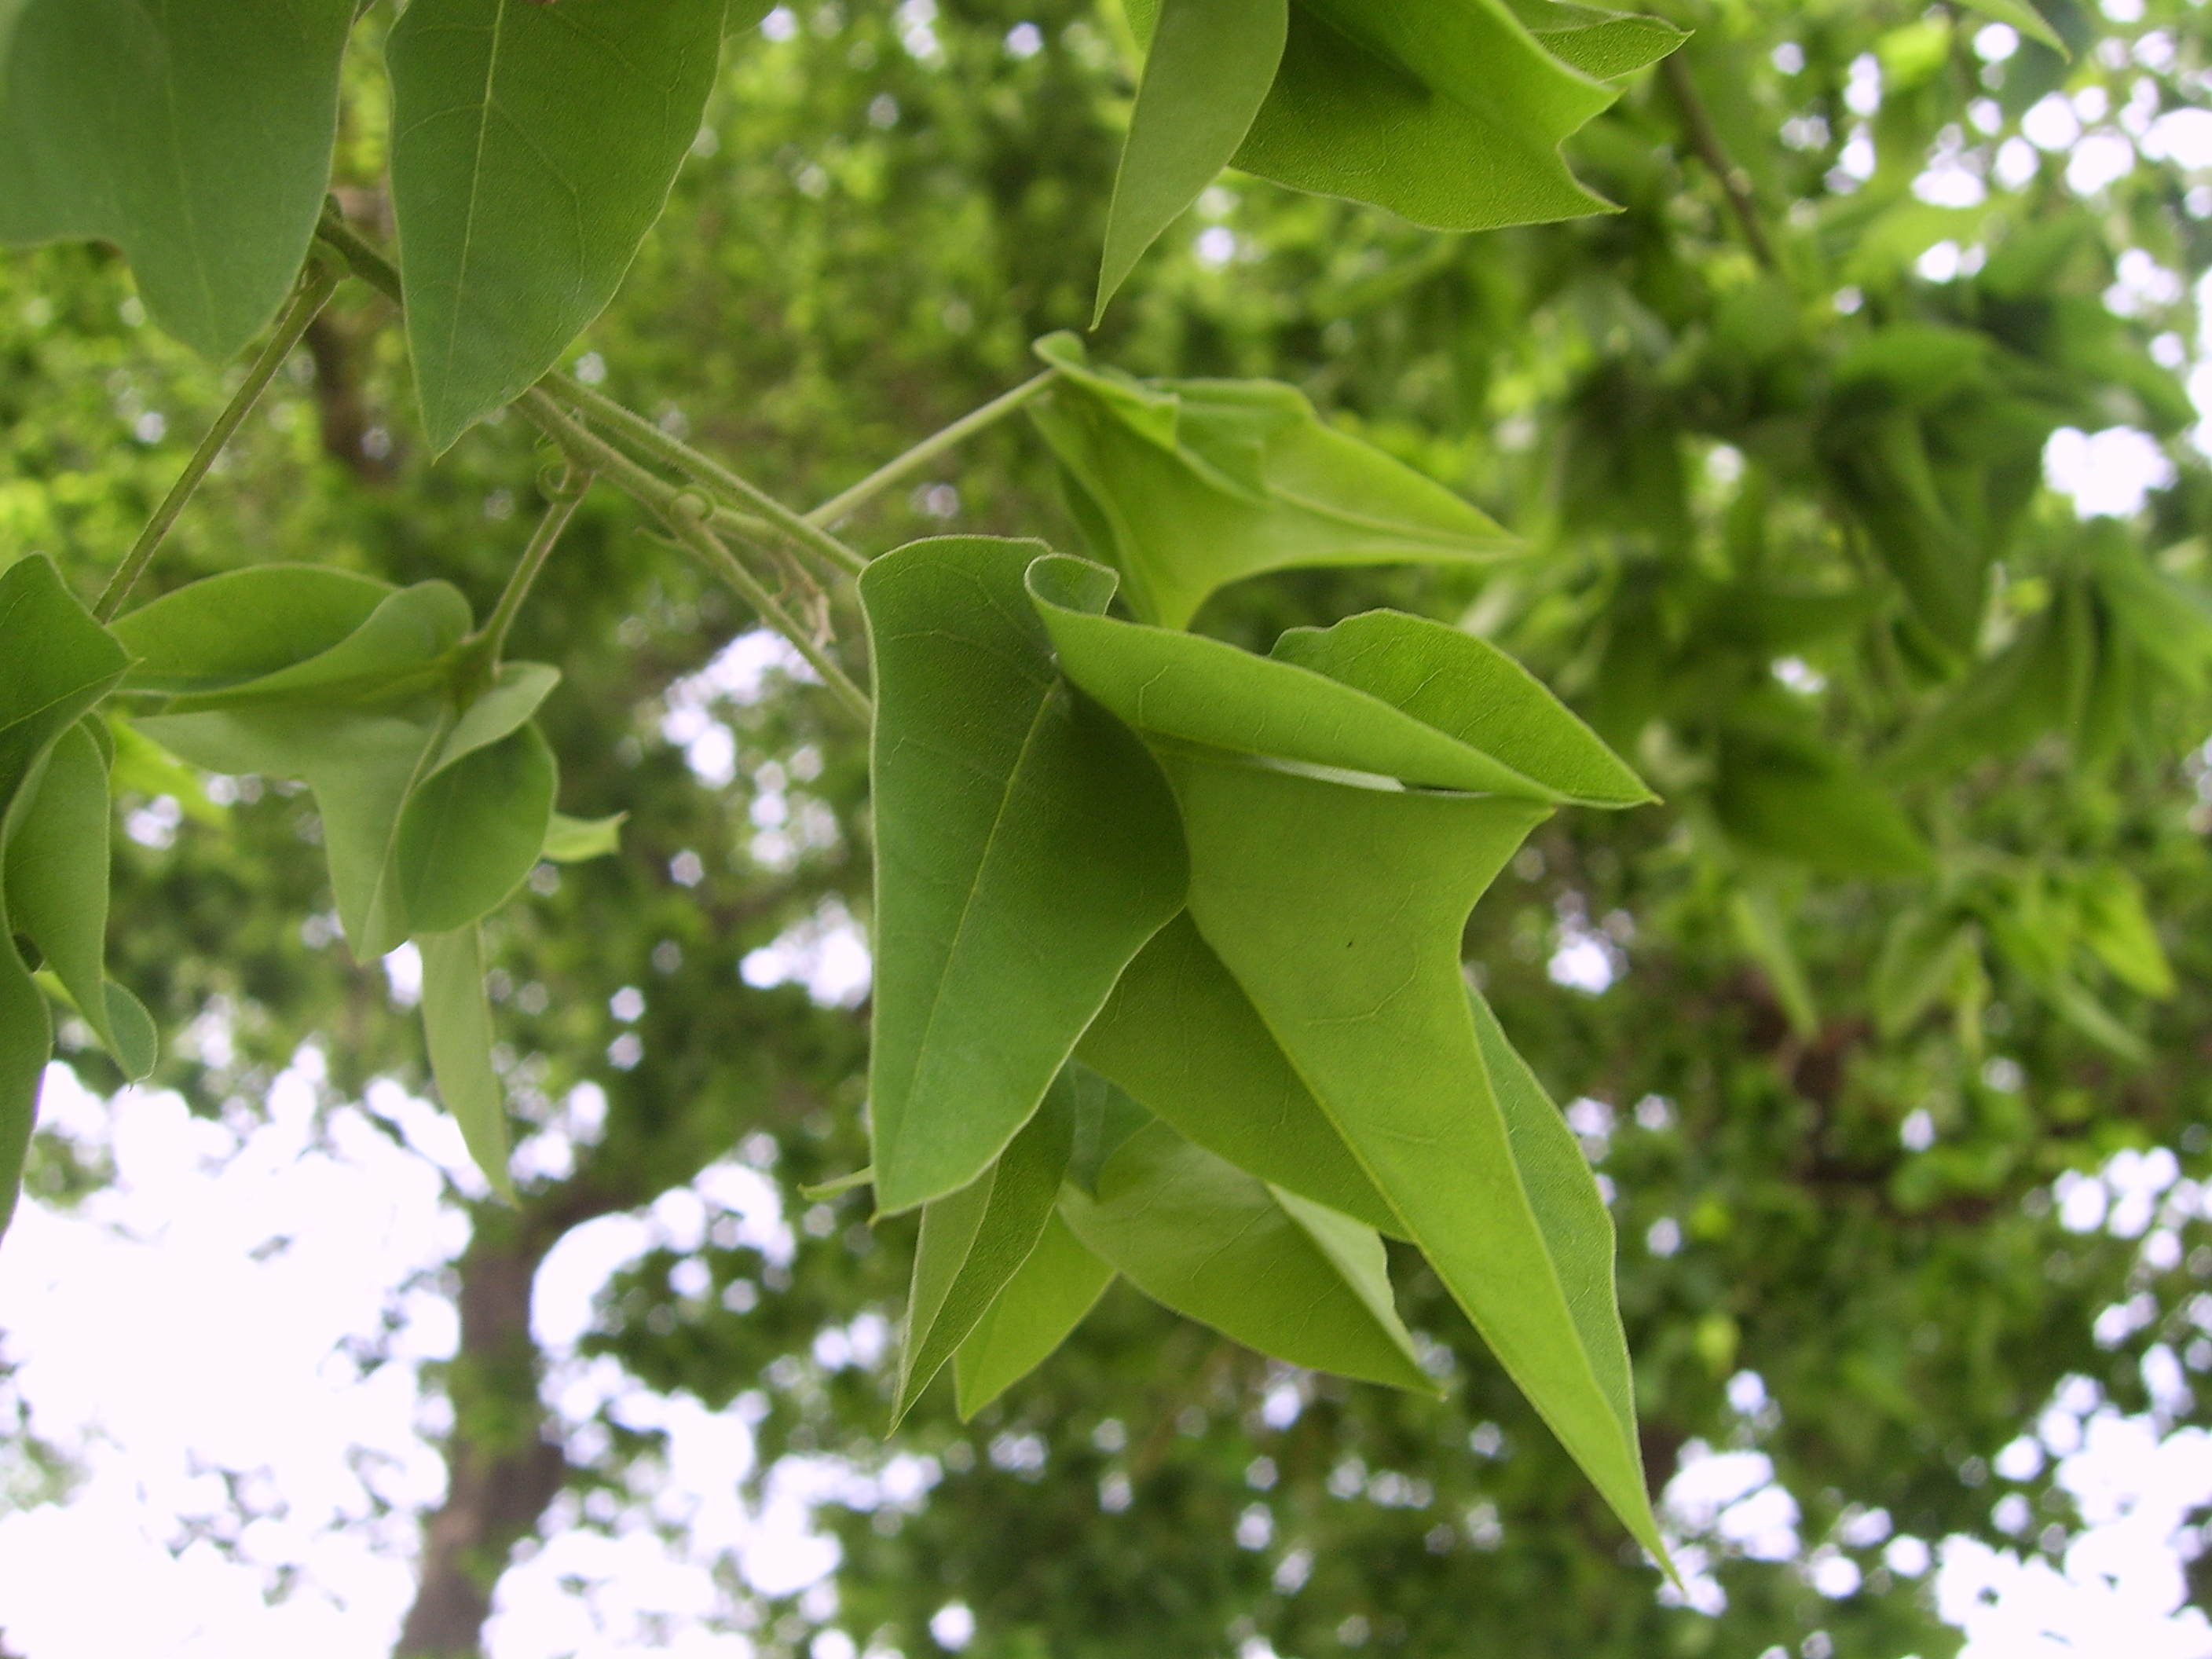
[[1027, 849], [973, 1242], [1340, 908], [1267, 1268], [1207, 68], [57, 875], [473, 832], [2037, 684], [533, 147], [1045, 1300], [1191, 485], [572, 841], [1922, 956], [55, 664], [1180, 1036], [1577, 1227], [1448, 113], [1186, 688], [1766, 939], [195, 135], [457, 1021]]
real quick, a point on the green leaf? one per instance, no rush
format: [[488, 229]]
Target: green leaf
[[1448, 113], [1208, 69], [1187, 689], [473, 832], [1578, 1228], [2035, 684], [533, 147], [366, 721], [1922, 957], [1468, 689], [55, 664], [2023, 17], [225, 630], [1786, 793], [1106, 1114], [2117, 928], [1602, 44], [457, 1021], [572, 841], [1045, 1300], [1027, 848], [1180, 1036], [56, 874], [1765, 939], [973, 1242], [194, 135], [1263, 1266], [136, 1044], [1340, 910], [1186, 485]]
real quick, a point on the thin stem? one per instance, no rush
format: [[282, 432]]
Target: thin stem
[[308, 302], [678, 509], [636, 430], [362, 260], [1705, 137], [841, 505], [559, 510]]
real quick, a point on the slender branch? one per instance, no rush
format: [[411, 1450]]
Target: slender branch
[[560, 507], [312, 295], [629, 424], [841, 505], [680, 510], [1705, 137]]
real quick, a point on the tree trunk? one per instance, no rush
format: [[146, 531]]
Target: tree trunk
[[502, 1470]]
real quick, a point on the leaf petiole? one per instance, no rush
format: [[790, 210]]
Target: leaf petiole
[[635, 429], [560, 507], [678, 510], [841, 505], [317, 283]]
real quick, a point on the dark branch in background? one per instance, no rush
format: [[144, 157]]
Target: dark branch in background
[[1705, 139], [346, 424]]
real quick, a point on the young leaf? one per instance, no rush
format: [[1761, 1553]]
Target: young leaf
[[1187, 689], [973, 1242], [194, 135], [1180, 1036], [572, 841], [1027, 849], [1207, 69], [457, 1021], [473, 832], [2117, 928], [1045, 1300], [533, 147], [55, 663], [57, 876], [225, 630], [1602, 44], [1448, 113], [365, 721], [1340, 910], [1186, 485], [1264, 1267]]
